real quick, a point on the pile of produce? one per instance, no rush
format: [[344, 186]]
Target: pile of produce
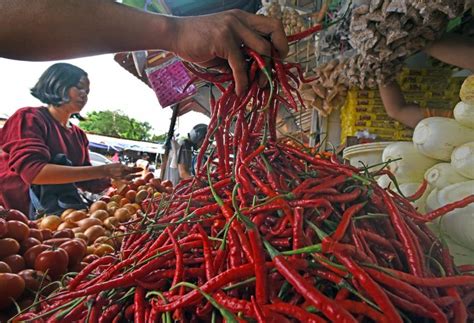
[[325, 92], [382, 34], [444, 162], [292, 21], [33, 258], [271, 232], [34, 255], [103, 224]]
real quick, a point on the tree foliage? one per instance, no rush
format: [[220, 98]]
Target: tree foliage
[[116, 124], [159, 138]]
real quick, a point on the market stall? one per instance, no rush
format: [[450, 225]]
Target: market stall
[[279, 224]]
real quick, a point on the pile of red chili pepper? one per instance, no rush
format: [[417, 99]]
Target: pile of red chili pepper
[[271, 232]]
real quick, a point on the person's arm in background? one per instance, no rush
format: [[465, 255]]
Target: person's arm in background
[[397, 108], [59, 29], [184, 161], [183, 171], [59, 174], [454, 49]]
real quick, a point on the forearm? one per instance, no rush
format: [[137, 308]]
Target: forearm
[[38, 30], [183, 172], [453, 49], [59, 174], [397, 108]]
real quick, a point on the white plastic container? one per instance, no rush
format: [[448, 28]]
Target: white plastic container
[[368, 154]]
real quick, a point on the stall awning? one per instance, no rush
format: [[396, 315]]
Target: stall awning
[[118, 144]]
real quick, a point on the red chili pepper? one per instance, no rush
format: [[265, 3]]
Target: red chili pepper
[[261, 285], [129, 312], [139, 302], [449, 207], [110, 313], [345, 197], [412, 307], [105, 260], [207, 253], [364, 309], [178, 276], [346, 218], [283, 80], [402, 232], [328, 307], [305, 33], [372, 288], [413, 294], [298, 238], [342, 294], [258, 311], [448, 281], [231, 275], [465, 268]]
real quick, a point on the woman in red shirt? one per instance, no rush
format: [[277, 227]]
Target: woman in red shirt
[[32, 137]]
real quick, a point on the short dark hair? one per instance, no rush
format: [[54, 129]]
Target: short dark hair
[[54, 84]]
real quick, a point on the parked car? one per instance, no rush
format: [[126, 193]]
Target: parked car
[[98, 159]]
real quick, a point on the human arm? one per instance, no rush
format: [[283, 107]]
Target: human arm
[[397, 108], [185, 157], [59, 174], [183, 171], [59, 29], [454, 49]]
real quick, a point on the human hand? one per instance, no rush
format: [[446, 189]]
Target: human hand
[[212, 40], [117, 171]]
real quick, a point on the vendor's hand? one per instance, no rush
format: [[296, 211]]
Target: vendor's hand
[[117, 171], [211, 39]]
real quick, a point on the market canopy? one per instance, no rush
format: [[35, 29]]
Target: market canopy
[[119, 144]]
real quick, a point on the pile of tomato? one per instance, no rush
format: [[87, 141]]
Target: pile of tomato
[[33, 260]]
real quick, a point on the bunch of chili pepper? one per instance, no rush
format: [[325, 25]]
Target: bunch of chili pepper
[[271, 232]]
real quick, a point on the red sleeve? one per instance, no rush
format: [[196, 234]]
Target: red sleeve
[[23, 139]]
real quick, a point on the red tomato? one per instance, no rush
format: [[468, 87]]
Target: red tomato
[[11, 287], [34, 279], [148, 176], [155, 182], [167, 183], [16, 263], [16, 215], [90, 258], [4, 268], [36, 233], [160, 188], [32, 225], [52, 261], [139, 182], [47, 234], [8, 246], [3, 228], [55, 242], [17, 230], [130, 195], [31, 254], [28, 243], [64, 233], [75, 250]]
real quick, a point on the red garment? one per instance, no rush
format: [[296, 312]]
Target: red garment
[[28, 141]]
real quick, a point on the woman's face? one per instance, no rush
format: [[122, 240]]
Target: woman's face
[[78, 94]]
